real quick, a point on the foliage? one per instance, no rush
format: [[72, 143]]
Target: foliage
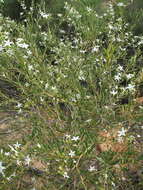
[[71, 76]]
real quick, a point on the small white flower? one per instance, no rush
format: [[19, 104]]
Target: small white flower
[[41, 99], [65, 175], [7, 153], [113, 92], [67, 136], [89, 9], [111, 27], [122, 132], [38, 145], [8, 178], [17, 145], [18, 162], [27, 160], [8, 43], [140, 42], [24, 45], [129, 76], [82, 51], [62, 31], [59, 15], [95, 49], [30, 67], [130, 87], [92, 168], [121, 4], [117, 77], [120, 68], [72, 153], [2, 168], [74, 161], [19, 105], [29, 52], [88, 121], [75, 138], [46, 85], [1, 48], [27, 84], [44, 15]]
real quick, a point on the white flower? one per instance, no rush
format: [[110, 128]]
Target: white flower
[[95, 49], [30, 67], [72, 153], [1, 48], [113, 92], [27, 84], [118, 39], [19, 105], [41, 99], [121, 4], [18, 162], [24, 45], [92, 168], [89, 9], [59, 15], [75, 138], [1, 168], [27, 160], [17, 145], [29, 52], [44, 15], [122, 132], [46, 85], [38, 145], [120, 68], [7, 153], [8, 43], [117, 77], [129, 76], [140, 42], [67, 136], [88, 121], [82, 51], [65, 175], [111, 27], [130, 87]]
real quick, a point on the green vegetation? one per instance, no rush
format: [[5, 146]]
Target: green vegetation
[[71, 114]]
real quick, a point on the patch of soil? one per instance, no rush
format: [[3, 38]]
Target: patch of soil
[[12, 128]]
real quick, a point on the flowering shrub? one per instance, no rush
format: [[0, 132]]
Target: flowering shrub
[[72, 79]]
